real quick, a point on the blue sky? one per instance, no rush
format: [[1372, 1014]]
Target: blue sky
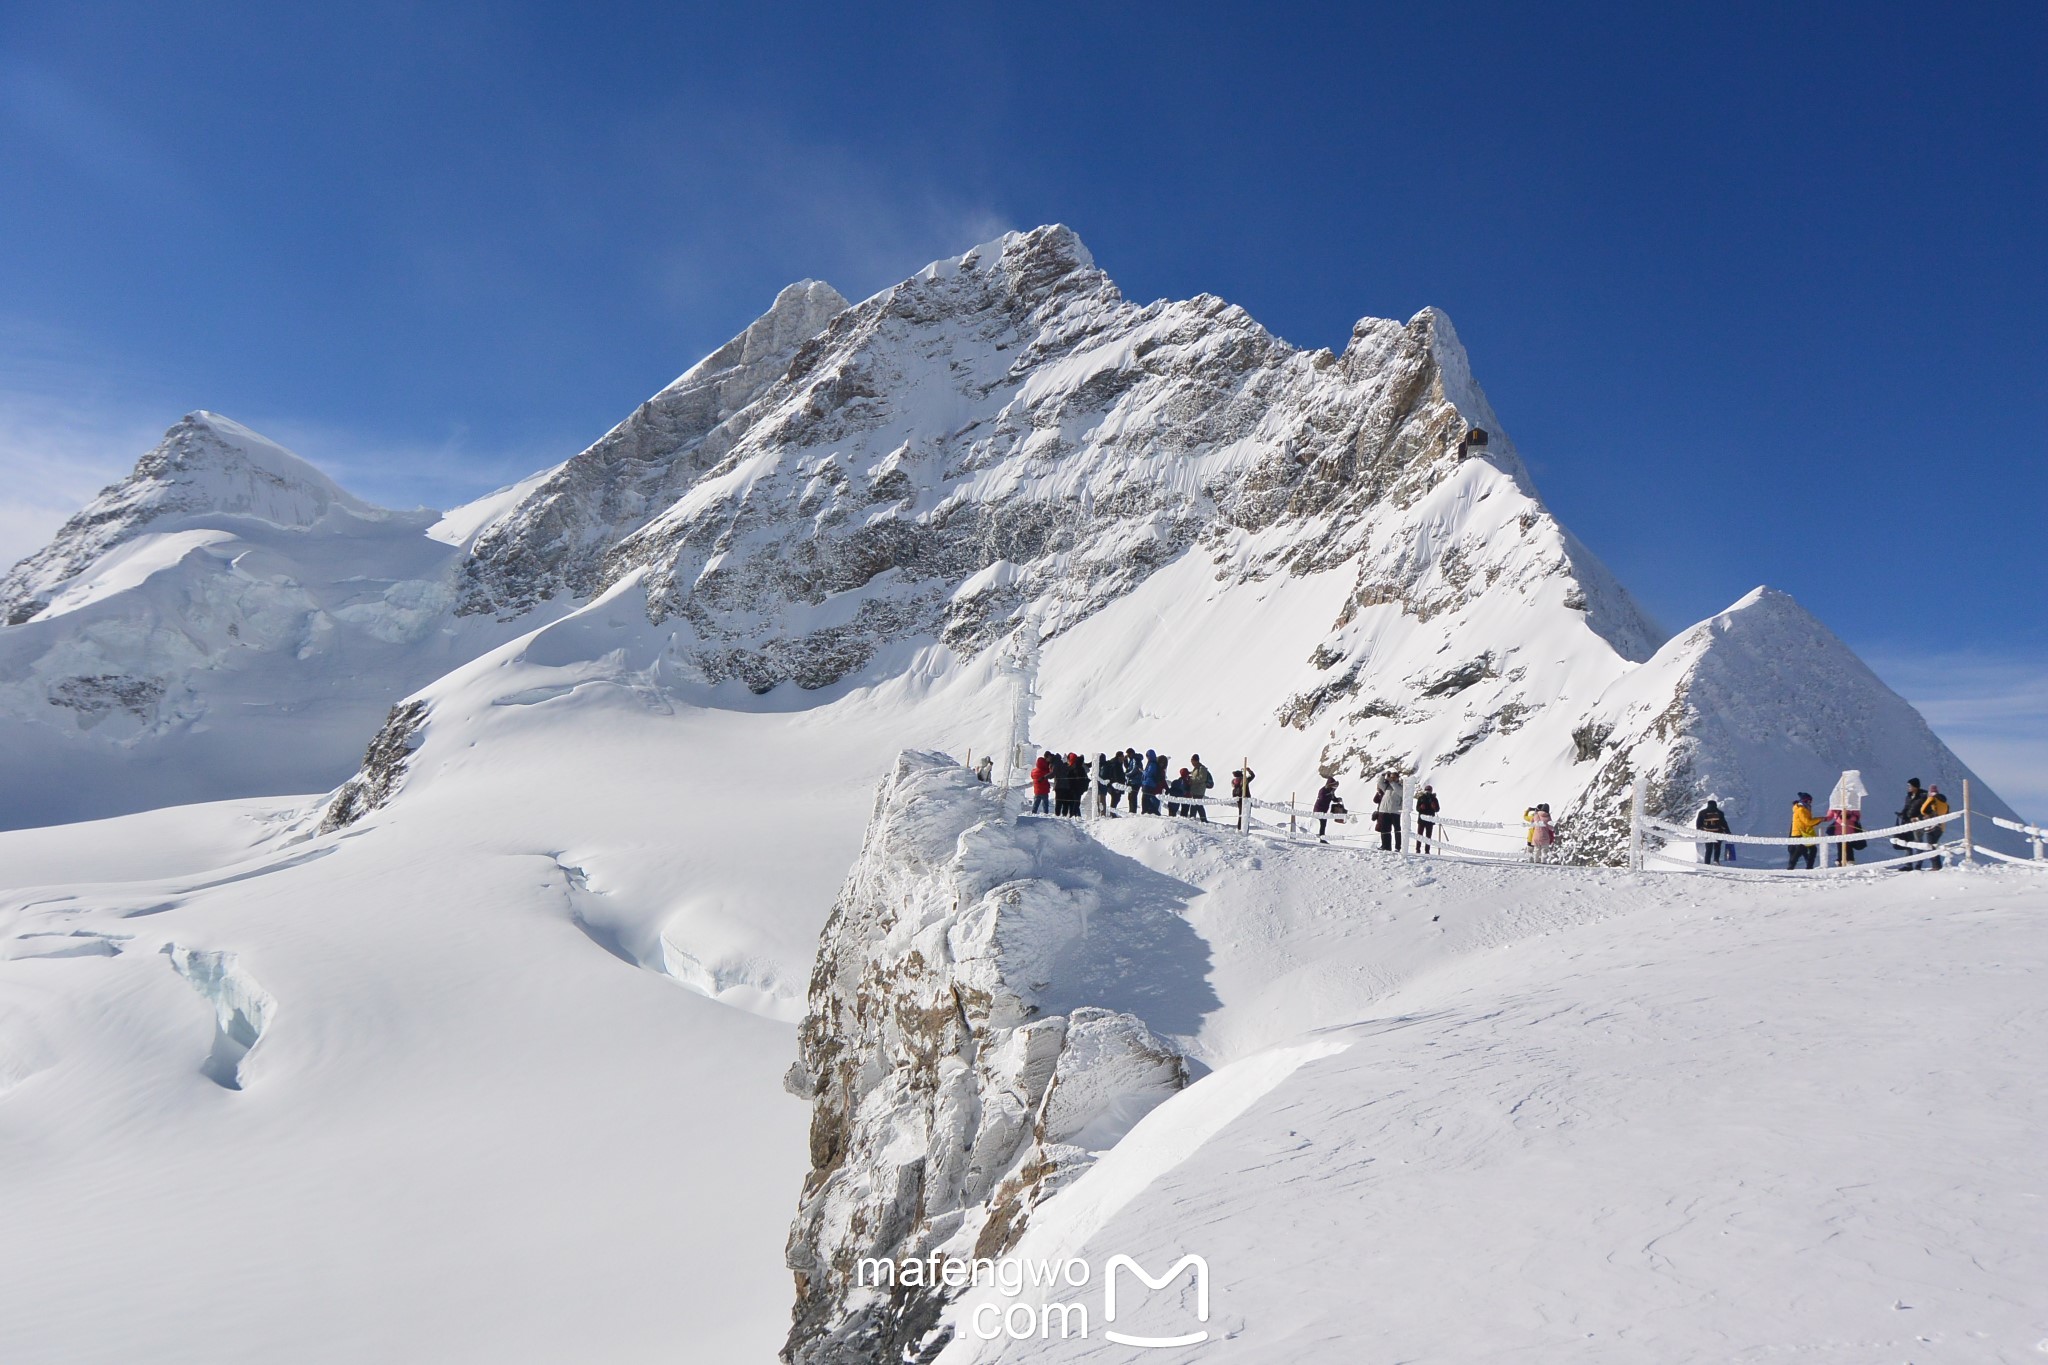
[[1762, 295]]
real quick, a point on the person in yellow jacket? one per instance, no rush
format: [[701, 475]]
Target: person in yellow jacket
[[1804, 826], [1935, 804]]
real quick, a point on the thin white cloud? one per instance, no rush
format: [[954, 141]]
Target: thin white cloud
[[826, 211], [1990, 707], [49, 112], [70, 424]]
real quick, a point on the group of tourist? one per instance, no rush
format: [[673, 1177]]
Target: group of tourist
[[1142, 783], [1149, 783], [1844, 817], [1389, 796]]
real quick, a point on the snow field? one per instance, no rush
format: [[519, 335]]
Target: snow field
[[1473, 1113]]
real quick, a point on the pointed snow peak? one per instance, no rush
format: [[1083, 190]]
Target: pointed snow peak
[[206, 465], [1433, 325], [758, 355], [210, 463], [799, 313], [1053, 242], [557, 534], [1767, 616], [1769, 600]]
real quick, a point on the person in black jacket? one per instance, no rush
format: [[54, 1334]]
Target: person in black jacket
[[1108, 772], [1916, 800], [1426, 807], [1328, 803], [1712, 821], [1134, 778]]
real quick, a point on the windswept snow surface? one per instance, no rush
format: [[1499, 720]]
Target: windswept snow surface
[[509, 1053], [1467, 1112], [385, 1095]]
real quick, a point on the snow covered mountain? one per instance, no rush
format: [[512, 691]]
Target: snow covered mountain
[[226, 621], [1229, 543], [343, 1076]]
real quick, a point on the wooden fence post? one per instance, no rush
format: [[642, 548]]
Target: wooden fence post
[[1969, 838]]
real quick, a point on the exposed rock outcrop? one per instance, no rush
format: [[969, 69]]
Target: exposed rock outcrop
[[1005, 428], [383, 768], [965, 1052]]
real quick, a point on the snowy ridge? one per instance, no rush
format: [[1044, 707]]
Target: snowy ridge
[[555, 537], [1752, 706]]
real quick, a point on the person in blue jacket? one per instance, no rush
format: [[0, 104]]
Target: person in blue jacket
[[1155, 780]]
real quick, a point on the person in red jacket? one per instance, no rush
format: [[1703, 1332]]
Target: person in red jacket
[[1041, 785]]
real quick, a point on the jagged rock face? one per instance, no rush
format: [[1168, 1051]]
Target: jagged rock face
[[558, 539], [383, 768], [955, 1080], [204, 464], [1005, 428]]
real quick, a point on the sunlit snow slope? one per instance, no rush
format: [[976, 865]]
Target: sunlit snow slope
[[1466, 1113]]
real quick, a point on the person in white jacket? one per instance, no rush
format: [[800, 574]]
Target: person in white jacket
[[1387, 810], [1845, 811]]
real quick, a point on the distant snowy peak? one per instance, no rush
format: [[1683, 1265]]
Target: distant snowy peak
[[554, 538], [205, 465]]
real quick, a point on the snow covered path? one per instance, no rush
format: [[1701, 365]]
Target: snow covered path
[[1627, 1120]]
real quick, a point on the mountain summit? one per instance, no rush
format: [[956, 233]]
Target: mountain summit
[[205, 464]]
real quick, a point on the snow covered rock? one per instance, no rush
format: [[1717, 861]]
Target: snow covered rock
[[226, 621], [1004, 429], [557, 538], [956, 1077], [205, 464], [1751, 707]]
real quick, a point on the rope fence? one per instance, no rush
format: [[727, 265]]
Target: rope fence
[[1931, 848], [1289, 822]]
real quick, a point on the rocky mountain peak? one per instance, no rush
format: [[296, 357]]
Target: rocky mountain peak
[[555, 541], [206, 465]]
